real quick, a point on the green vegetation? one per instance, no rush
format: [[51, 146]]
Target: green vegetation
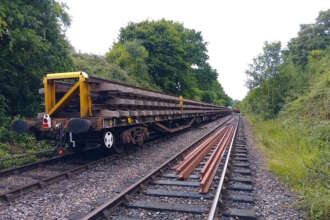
[[98, 65], [13, 146], [167, 56], [131, 57], [161, 55], [32, 43], [289, 108]]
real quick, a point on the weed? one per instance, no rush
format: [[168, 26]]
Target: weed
[[299, 157]]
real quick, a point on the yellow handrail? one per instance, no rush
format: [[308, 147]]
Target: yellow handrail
[[84, 89]]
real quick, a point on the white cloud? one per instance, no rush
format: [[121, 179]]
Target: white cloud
[[235, 30]]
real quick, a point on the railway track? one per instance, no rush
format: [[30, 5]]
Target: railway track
[[18, 181], [238, 192], [174, 190]]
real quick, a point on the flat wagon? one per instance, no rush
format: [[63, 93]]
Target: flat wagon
[[79, 108]]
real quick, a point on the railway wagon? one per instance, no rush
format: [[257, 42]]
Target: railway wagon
[[79, 108]]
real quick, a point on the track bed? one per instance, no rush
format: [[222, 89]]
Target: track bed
[[160, 195]]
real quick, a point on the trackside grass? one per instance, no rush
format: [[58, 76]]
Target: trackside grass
[[299, 158], [17, 149]]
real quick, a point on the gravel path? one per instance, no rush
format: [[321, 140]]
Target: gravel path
[[273, 199], [73, 198]]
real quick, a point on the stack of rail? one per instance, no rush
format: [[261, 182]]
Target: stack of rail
[[116, 103], [89, 107]]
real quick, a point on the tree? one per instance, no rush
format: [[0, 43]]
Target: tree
[[177, 58], [264, 66], [310, 37], [32, 42], [264, 81], [277, 77], [99, 66], [131, 56], [166, 53]]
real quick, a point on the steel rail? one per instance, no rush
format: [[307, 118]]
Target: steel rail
[[9, 195], [120, 198], [14, 193], [214, 162], [190, 161], [36, 164], [28, 166], [213, 209]]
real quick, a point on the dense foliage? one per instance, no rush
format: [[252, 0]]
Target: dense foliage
[[166, 55], [288, 106], [32, 42], [277, 77], [159, 56], [99, 66]]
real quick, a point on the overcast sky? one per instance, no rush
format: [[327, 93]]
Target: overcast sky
[[235, 30]]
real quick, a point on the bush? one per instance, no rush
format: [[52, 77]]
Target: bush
[[18, 149], [299, 158]]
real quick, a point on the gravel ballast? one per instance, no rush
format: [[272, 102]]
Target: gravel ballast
[[273, 199], [75, 197]]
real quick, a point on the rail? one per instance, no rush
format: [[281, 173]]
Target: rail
[[215, 202], [99, 211]]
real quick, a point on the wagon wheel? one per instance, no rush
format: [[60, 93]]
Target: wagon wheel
[[109, 141]]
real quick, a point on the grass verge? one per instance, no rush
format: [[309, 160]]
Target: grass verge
[[18, 149], [300, 158]]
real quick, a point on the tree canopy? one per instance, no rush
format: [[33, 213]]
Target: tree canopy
[[161, 55], [176, 59], [277, 77], [310, 37], [131, 56], [32, 42], [264, 66]]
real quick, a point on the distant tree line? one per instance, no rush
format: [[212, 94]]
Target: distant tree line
[[278, 76], [161, 55]]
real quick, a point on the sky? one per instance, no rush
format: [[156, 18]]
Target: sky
[[235, 30]]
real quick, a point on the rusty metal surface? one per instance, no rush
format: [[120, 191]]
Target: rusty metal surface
[[214, 206], [135, 135], [218, 141], [210, 168], [120, 198], [173, 130], [188, 165], [219, 147], [114, 96]]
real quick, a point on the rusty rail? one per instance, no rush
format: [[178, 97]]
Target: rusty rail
[[219, 141], [120, 198], [210, 168], [216, 199], [187, 166]]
